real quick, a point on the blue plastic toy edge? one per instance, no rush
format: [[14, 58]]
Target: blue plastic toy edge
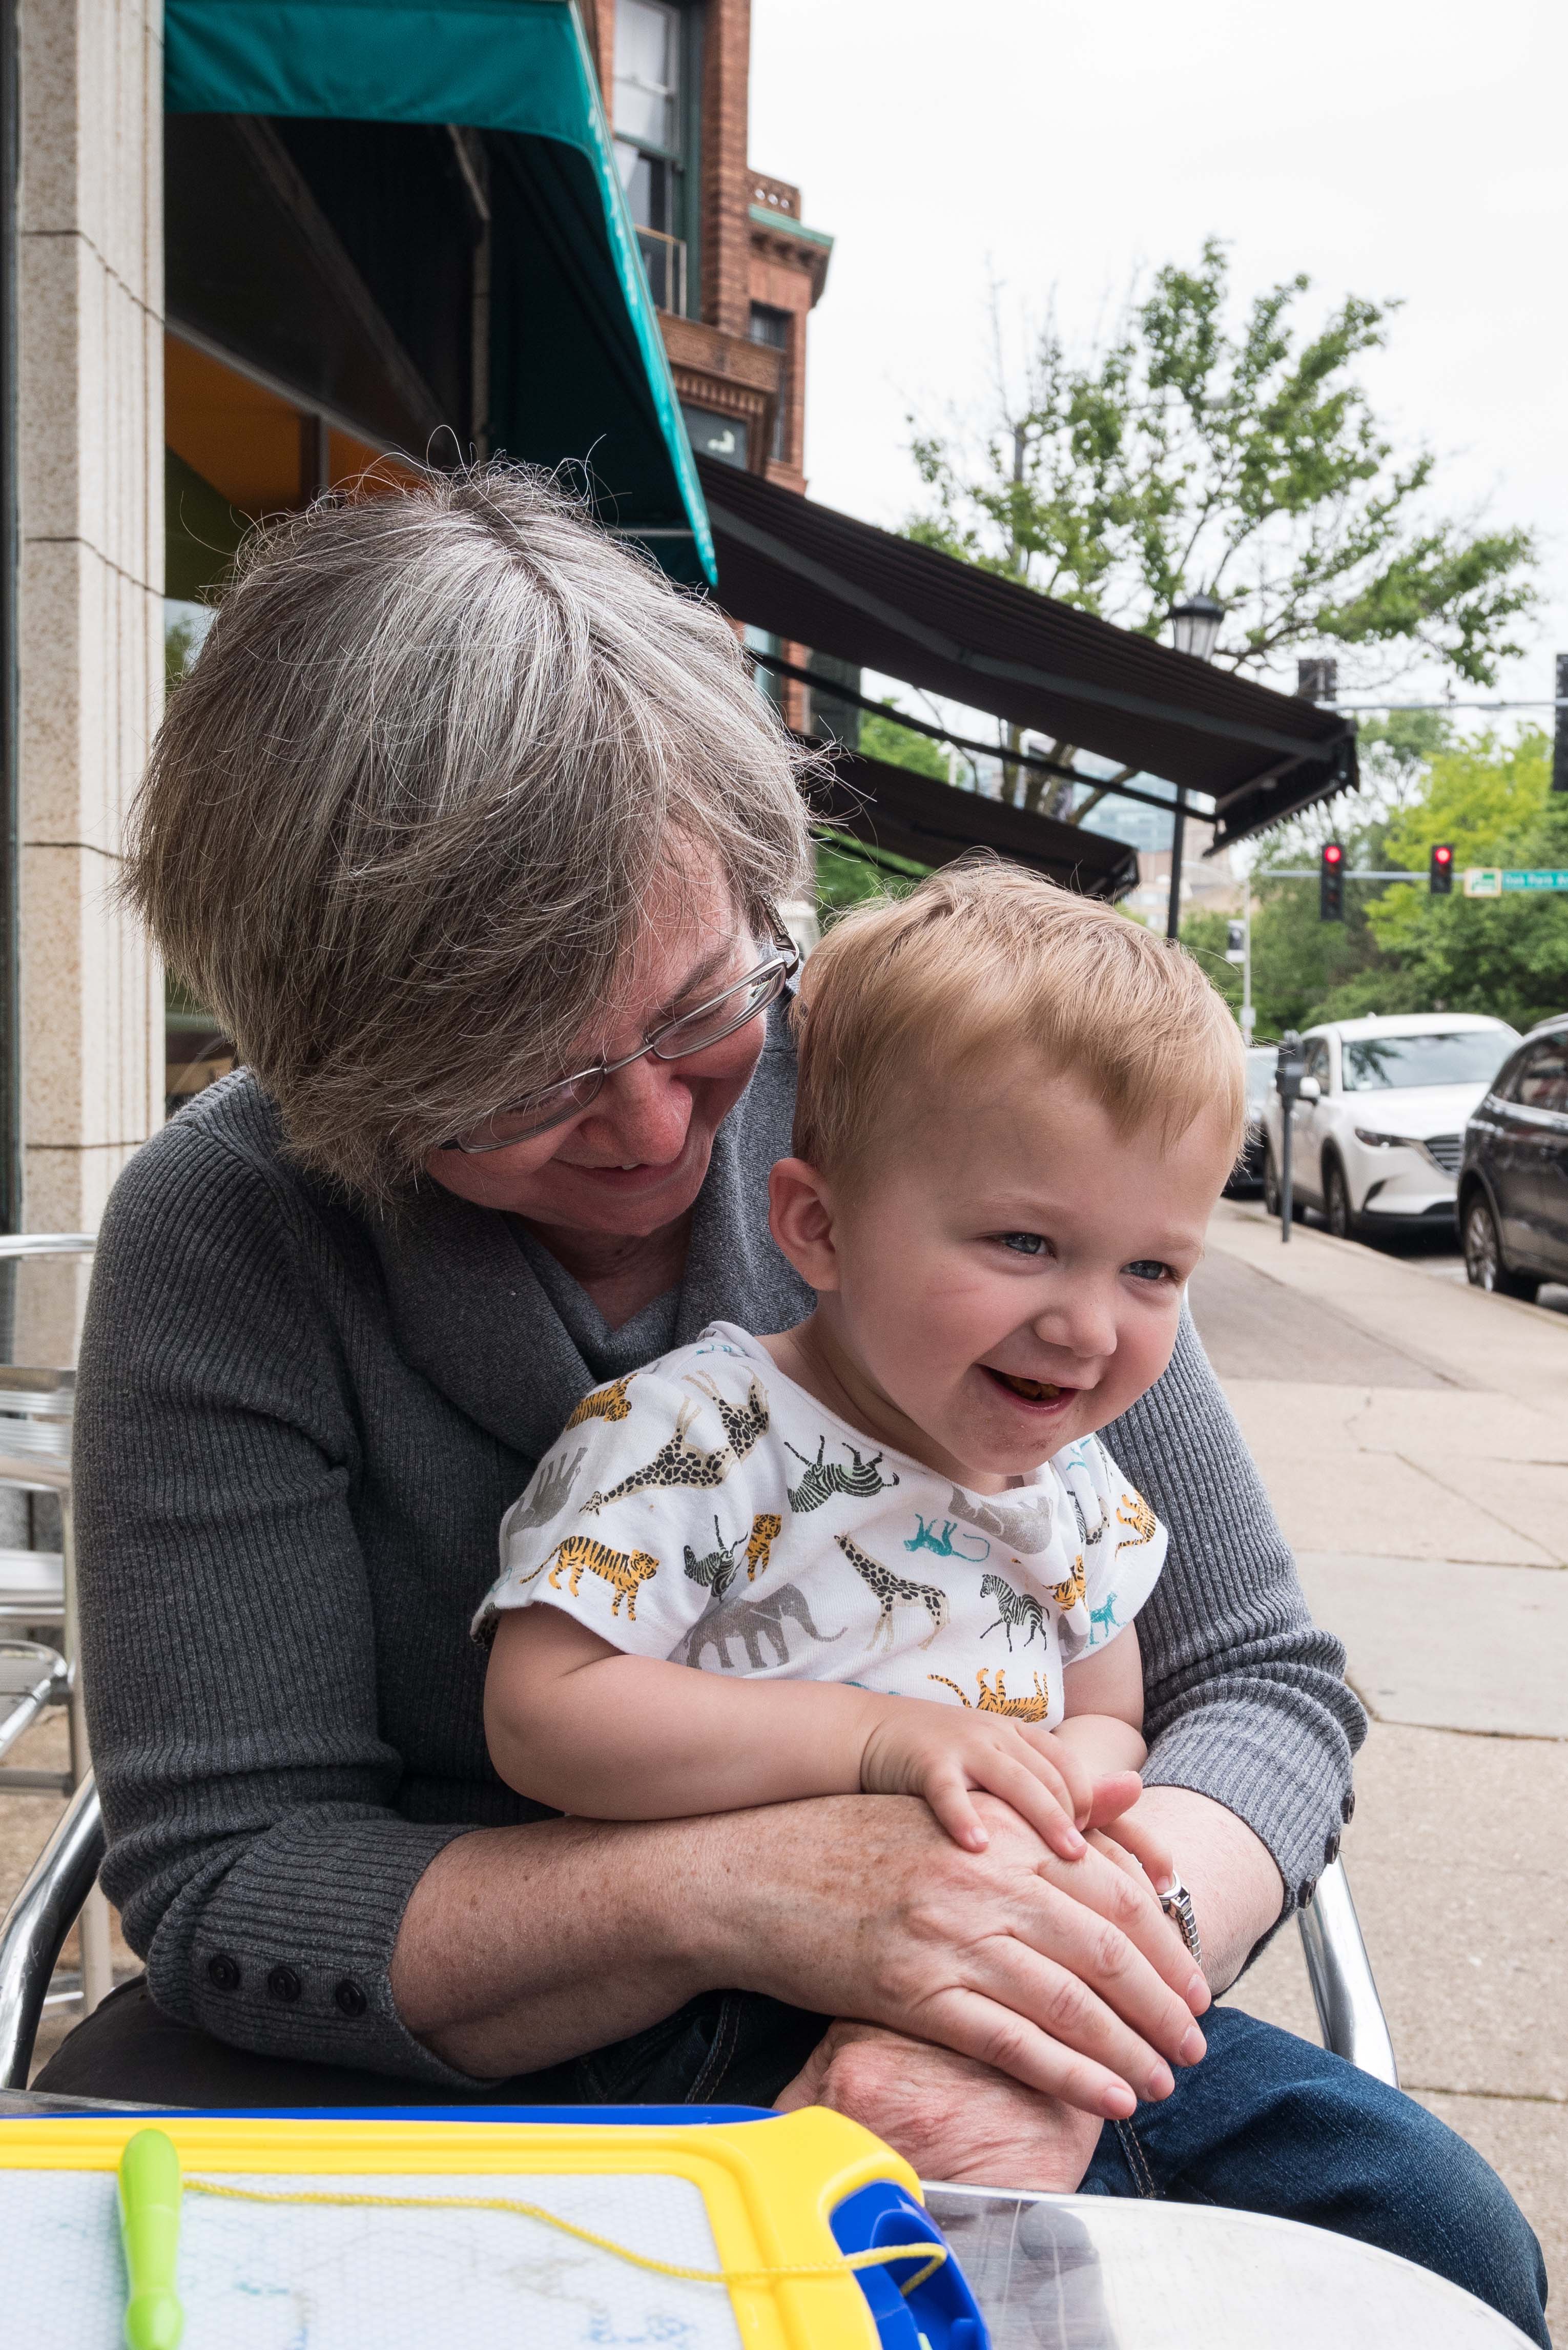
[[648, 2116], [942, 2311]]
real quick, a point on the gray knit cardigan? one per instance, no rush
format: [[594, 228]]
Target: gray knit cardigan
[[298, 1427]]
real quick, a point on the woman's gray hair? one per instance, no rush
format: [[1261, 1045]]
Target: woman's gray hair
[[398, 826]]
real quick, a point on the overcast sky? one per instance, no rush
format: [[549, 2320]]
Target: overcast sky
[[1388, 147]]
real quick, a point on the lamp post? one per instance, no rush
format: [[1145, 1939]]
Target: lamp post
[[1195, 630]]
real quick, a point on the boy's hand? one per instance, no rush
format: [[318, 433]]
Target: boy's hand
[[916, 1747], [1117, 1813]]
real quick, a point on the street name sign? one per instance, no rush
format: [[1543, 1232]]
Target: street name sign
[[1502, 881]]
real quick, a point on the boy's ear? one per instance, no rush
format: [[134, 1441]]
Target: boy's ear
[[800, 1217]]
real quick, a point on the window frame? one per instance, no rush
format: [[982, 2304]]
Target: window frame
[[780, 452], [684, 163]]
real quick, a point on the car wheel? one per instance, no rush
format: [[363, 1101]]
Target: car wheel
[[1272, 1196], [1343, 1221], [1484, 1262]]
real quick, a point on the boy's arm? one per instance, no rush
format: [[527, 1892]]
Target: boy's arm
[[577, 1724], [574, 1722], [1102, 1693]]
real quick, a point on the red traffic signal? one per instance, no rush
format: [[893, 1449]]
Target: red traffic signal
[[1330, 883], [1440, 869]]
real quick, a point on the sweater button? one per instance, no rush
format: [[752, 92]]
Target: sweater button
[[224, 1972], [1330, 1850], [349, 1999], [1347, 1807], [284, 1984], [1305, 1892]]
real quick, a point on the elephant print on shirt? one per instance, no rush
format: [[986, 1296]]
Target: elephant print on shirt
[[1023, 1527]]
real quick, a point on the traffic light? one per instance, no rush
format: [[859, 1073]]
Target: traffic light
[[1330, 883], [1440, 870]]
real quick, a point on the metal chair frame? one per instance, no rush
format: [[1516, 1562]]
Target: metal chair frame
[[42, 1915], [36, 1408]]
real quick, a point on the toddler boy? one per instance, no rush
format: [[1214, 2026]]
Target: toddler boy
[[890, 1541]]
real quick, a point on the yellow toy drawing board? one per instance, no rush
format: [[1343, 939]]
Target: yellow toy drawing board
[[328, 2234]]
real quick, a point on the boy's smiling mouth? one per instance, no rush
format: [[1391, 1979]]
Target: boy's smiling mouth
[[1041, 1393]]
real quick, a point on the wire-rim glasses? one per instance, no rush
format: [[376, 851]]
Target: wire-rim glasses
[[697, 1031]]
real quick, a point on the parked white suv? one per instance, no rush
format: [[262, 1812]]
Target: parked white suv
[[1379, 1130]]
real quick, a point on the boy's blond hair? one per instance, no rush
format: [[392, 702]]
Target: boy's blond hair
[[982, 956]]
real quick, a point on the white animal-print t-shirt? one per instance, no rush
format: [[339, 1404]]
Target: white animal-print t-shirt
[[708, 1509]]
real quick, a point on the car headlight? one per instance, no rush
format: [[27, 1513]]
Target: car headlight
[[1382, 1141]]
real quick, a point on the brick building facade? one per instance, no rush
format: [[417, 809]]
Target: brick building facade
[[734, 269]]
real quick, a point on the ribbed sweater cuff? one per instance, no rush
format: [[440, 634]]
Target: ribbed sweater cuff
[[1273, 1771], [289, 1954]]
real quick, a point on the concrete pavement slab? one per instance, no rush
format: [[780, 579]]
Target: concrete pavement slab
[[1448, 1648], [1329, 1496], [1530, 1497], [1464, 1906], [1485, 1427], [1464, 1336]]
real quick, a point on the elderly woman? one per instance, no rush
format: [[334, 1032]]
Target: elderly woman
[[472, 831]]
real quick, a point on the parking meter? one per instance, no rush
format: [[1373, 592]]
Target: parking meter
[[1289, 1070]]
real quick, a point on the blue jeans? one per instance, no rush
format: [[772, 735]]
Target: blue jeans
[[1268, 2123]]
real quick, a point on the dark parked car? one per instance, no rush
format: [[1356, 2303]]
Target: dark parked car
[[1247, 1175], [1513, 1183]]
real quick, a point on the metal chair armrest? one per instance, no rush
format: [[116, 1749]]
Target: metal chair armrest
[[1343, 1992], [38, 1923]]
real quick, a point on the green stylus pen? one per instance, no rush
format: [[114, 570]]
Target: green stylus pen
[[150, 2232]]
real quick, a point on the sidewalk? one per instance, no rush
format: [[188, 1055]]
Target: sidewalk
[[1414, 1437]]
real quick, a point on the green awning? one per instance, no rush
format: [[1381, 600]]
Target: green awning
[[579, 364]]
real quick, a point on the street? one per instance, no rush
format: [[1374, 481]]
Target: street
[[1435, 1252], [1412, 1437]]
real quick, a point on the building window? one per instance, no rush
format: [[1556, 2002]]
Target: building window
[[772, 328], [655, 136], [724, 437]]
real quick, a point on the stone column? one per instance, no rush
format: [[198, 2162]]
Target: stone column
[[91, 481]]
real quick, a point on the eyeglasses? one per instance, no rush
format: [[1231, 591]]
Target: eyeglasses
[[673, 1040]]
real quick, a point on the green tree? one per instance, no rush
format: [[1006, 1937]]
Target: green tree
[[846, 874], [1508, 956], [884, 738], [1400, 949], [1242, 459]]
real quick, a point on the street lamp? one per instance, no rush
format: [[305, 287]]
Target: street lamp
[[1195, 630], [1195, 626]]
